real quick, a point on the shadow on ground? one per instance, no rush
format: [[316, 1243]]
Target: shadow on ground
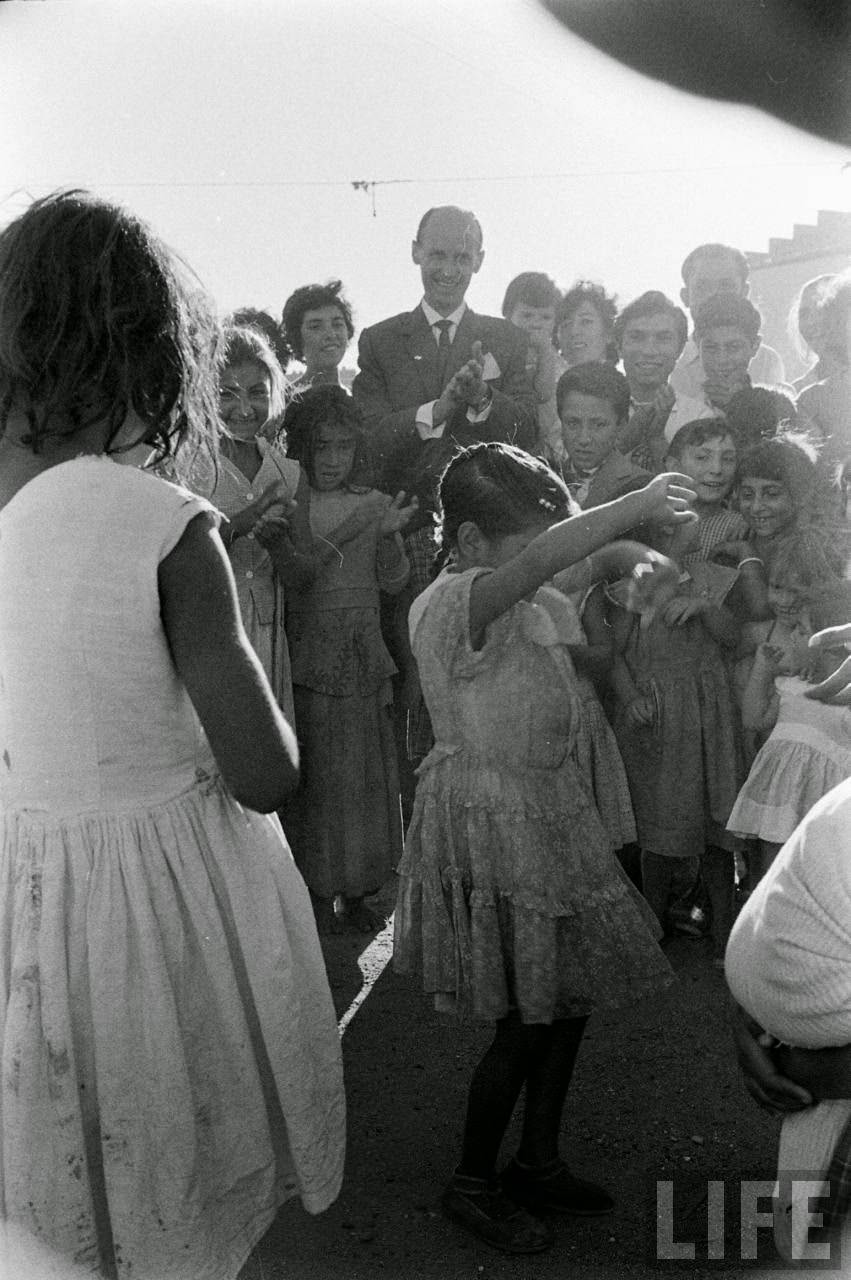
[[656, 1098]]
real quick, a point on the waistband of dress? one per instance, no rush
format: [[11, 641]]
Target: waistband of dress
[[205, 783]]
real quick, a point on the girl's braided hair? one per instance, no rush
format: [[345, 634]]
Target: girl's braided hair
[[502, 490]]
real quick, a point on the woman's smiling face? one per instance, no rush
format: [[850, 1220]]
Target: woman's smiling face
[[244, 392]]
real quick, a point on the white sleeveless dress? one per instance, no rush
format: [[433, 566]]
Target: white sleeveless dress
[[171, 1067]]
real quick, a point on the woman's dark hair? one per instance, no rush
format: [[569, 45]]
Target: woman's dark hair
[[502, 490], [98, 318], [605, 305], [325, 406], [309, 298], [599, 380]]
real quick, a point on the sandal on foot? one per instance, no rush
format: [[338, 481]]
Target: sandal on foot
[[553, 1187], [482, 1208]]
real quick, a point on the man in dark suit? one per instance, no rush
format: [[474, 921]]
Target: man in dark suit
[[431, 381], [440, 376]]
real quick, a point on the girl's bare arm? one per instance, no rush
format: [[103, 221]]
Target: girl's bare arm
[[254, 746], [563, 544]]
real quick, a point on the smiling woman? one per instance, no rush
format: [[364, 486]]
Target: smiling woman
[[317, 324]]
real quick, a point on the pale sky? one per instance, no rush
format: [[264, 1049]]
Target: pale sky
[[237, 130]]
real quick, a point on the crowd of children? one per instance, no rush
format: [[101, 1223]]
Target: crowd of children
[[613, 652]]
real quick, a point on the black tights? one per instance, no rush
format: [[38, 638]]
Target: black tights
[[541, 1056]]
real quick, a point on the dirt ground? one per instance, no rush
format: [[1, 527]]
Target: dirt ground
[[656, 1097]]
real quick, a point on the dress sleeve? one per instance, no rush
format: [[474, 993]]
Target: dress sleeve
[[441, 629], [180, 511]]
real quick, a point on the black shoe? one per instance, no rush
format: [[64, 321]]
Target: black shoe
[[482, 1208]]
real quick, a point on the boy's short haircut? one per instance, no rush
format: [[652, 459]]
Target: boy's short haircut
[[715, 251], [727, 310], [651, 303], [596, 379], [532, 288], [697, 432]]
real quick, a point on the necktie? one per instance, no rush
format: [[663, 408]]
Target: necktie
[[444, 344]]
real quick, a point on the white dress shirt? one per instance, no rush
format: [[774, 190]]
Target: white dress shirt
[[425, 413]]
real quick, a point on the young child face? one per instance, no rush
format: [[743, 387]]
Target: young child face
[[787, 598], [710, 465], [538, 322], [333, 457], [766, 505], [589, 428]]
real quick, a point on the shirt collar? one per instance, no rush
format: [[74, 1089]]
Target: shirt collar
[[433, 316]]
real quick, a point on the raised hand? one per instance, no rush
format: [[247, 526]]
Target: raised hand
[[397, 514], [667, 499]]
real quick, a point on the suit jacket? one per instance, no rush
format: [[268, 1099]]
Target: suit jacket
[[615, 476], [398, 371]]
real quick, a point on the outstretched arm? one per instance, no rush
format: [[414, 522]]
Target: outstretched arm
[[572, 540]]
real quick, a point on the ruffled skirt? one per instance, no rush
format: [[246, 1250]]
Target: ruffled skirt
[[171, 1068], [599, 758], [786, 779], [510, 896]]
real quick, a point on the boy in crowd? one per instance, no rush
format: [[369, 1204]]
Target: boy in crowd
[[593, 406], [650, 334], [718, 270], [726, 330]]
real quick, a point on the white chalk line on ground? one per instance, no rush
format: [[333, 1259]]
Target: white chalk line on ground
[[372, 962]]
